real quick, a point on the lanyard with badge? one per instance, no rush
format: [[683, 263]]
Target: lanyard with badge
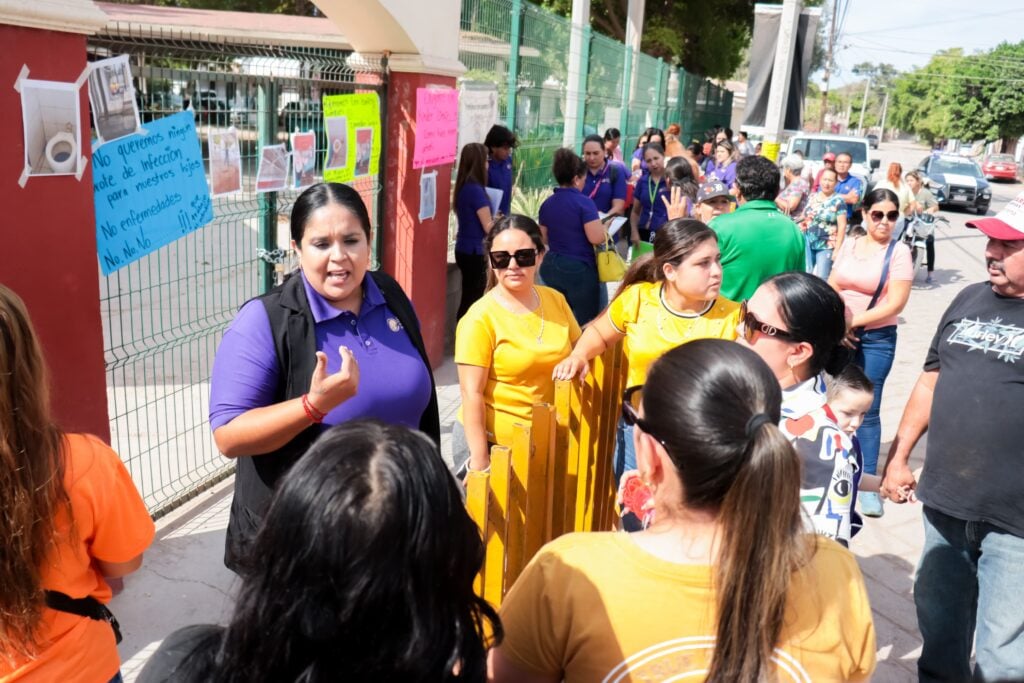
[[597, 185], [652, 193]]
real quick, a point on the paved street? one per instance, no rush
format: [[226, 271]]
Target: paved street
[[183, 580]]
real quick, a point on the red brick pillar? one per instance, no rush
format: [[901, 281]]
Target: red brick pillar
[[48, 235], [415, 252]]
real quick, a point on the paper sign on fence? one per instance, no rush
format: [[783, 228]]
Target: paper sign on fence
[[149, 190], [353, 136], [437, 127]]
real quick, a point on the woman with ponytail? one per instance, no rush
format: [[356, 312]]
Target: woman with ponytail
[[797, 324], [667, 298], [69, 518], [726, 585]]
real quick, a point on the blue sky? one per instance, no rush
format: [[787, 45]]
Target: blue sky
[[905, 32]]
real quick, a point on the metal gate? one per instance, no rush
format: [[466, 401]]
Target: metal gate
[[164, 315]]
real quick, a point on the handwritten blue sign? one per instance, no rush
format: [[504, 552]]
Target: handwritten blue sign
[[149, 190]]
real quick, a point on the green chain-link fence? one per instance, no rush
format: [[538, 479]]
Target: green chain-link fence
[[524, 50], [163, 315]]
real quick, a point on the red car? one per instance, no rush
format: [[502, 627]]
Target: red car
[[1000, 166]]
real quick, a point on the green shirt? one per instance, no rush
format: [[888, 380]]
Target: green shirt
[[757, 241]]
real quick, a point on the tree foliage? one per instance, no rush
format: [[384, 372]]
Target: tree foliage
[[705, 38], [969, 97]]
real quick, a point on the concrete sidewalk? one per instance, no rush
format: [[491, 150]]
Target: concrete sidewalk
[[183, 580]]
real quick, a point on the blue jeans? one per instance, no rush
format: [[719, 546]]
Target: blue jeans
[[966, 581], [577, 281], [820, 262], [875, 352], [117, 678], [625, 455]]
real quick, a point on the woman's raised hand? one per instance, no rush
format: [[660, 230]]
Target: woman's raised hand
[[327, 392], [676, 204], [573, 366]]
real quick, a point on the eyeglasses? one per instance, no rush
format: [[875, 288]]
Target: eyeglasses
[[751, 326], [877, 216], [524, 258], [632, 398]]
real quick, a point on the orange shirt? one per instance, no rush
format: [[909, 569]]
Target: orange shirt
[[112, 525]]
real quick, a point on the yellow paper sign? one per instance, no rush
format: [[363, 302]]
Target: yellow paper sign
[[352, 124]]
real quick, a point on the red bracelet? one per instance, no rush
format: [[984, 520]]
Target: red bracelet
[[311, 410]]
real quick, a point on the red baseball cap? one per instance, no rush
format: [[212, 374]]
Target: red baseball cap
[[829, 157], [1007, 225]]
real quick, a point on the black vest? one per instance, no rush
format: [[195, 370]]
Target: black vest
[[293, 329]]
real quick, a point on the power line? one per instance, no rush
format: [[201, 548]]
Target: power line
[[980, 58], [955, 20]]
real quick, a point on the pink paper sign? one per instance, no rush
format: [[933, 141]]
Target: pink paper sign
[[437, 127]]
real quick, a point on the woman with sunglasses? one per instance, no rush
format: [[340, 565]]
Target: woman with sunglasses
[[571, 226], [667, 298], [725, 585], [873, 274], [796, 323], [507, 344]]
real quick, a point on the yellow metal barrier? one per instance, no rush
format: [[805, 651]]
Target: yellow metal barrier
[[556, 477]]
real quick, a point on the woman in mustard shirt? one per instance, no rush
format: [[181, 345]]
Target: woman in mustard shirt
[[508, 343], [666, 299]]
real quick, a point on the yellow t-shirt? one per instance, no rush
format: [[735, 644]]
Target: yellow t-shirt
[[652, 328], [596, 607], [519, 364]]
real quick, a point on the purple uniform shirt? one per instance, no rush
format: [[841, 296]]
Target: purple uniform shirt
[[564, 214], [394, 384]]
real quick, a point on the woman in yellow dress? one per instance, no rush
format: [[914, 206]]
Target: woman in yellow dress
[[667, 298], [508, 343]]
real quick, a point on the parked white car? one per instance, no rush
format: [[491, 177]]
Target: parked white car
[[814, 146]]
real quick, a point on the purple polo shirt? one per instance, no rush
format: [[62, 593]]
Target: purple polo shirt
[[470, 236], [499, 176], [394, 384], [609, 183], [649, 194], [563, 214], [724, 174]]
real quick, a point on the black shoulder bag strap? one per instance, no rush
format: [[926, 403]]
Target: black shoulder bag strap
[[88, 607], [881, 282]]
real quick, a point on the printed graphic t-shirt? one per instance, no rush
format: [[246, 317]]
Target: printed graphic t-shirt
[[974, 461], [652, 328], [568, 614], [831, 469]]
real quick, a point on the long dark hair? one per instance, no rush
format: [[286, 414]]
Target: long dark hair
[[700, 398], [513, 222], [673, 242], [813, 312], [680, 175], [472, 168], [364, 567], [320, 195], [32, 489]]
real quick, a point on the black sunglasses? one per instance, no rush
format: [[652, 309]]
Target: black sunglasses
[[524, 258], [631, 400], [751, 326], [877, 216]]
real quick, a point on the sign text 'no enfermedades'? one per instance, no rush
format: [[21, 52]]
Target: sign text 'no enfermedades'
[[149, 190], [437, 127]]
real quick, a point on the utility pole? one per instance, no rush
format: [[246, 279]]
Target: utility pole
[[775, 114], [828, 65], [576, 76], [885, 110], [863, 106]]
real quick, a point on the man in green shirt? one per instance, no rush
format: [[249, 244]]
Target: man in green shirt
[[757, 240]]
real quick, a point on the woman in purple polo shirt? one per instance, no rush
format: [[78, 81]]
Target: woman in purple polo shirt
[[473, 216], [335, 342], [650, 211], [500, 143], [724, 168], [571, 227]]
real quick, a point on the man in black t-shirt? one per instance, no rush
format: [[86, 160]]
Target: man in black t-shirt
[[970, 399]]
